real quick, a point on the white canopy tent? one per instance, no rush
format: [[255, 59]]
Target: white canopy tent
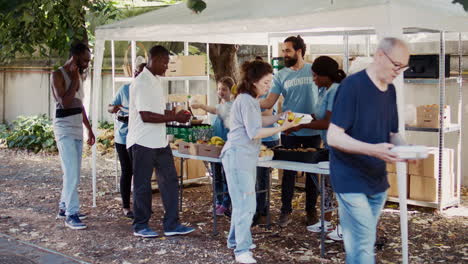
[[254, 21]]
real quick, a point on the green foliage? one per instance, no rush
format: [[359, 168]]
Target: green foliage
[[47, 26], [196, 5], [3, 132], [30, 132], [105, 125], [464, 3]]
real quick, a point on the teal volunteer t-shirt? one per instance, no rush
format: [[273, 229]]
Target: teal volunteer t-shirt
[[299, 92]]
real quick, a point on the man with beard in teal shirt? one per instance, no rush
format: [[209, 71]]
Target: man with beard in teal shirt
[[295, 83]]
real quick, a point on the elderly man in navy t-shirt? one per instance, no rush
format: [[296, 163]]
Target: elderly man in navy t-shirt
[[363, 129]]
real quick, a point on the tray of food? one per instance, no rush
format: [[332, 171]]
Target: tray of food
[[307, 155], [265, 154]]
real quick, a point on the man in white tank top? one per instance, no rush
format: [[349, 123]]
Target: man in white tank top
[[70, 115]]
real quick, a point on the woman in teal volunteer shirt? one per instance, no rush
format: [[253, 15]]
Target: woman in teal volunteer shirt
[[119, 106], [326, 76]]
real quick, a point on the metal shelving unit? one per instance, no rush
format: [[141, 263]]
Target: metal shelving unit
[[441, 81], [429, 81], [442, 201], [447, 129]]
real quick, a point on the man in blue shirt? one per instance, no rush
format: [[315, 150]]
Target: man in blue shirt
[[295, 83], [363, 124]]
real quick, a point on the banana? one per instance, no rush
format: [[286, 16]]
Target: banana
[[298, 119]]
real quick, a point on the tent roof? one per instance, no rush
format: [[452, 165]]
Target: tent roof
[[250, 21]]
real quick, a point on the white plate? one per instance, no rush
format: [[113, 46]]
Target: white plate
[[324, 165], [411, 152], [306, 118]]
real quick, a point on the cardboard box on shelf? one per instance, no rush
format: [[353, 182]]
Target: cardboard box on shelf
[[428, 116], [186, 66], [211, 151], [393, 182], [193, 169], [391, 167], [429, 167], [425, 188], [188, 148]]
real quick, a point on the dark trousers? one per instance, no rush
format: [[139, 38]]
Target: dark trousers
[[263, 181], [289, 177], [144, 160], [126, 176], [220, 185]]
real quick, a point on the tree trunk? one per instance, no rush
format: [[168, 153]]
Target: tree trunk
[[223, 58]]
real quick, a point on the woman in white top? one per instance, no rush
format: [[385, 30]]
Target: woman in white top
[[240, 154]]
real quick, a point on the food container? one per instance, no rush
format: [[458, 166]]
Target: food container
[[309, 155], [211, 151], [188, 148]]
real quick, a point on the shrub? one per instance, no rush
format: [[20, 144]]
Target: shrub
[[30, 132], [106, 125]]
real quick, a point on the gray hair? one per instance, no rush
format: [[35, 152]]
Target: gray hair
[[389, 43]]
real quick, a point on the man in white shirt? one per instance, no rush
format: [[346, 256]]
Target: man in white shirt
[[149, 148]]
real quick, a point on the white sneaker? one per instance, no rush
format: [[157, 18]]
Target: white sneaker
[[336, 234], [245, 258], [253, 246], [316, 228]]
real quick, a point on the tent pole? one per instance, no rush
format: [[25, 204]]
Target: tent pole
[[208, 94], [133, 47], [459, 120], [186, 82], [368, 44], [269, 48], [346, 52], [113, 96], [98, 56]]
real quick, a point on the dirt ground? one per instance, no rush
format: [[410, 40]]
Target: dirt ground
[[30, 187]]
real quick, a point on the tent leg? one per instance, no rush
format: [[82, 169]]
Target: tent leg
[[98, 56]]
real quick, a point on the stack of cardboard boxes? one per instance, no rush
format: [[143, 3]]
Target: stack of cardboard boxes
[[393, 181], [422, 177], [186, 66]]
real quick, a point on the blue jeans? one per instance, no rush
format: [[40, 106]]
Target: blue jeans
[[220, 185], [240, 168], [70, 150], [359, 214]]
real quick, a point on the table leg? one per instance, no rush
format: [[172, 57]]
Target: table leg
[[209, 167], [322, 215], [181, 187], [268, 195], [215, 194]]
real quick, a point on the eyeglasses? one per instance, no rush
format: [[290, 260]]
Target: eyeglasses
[[397, 65]]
